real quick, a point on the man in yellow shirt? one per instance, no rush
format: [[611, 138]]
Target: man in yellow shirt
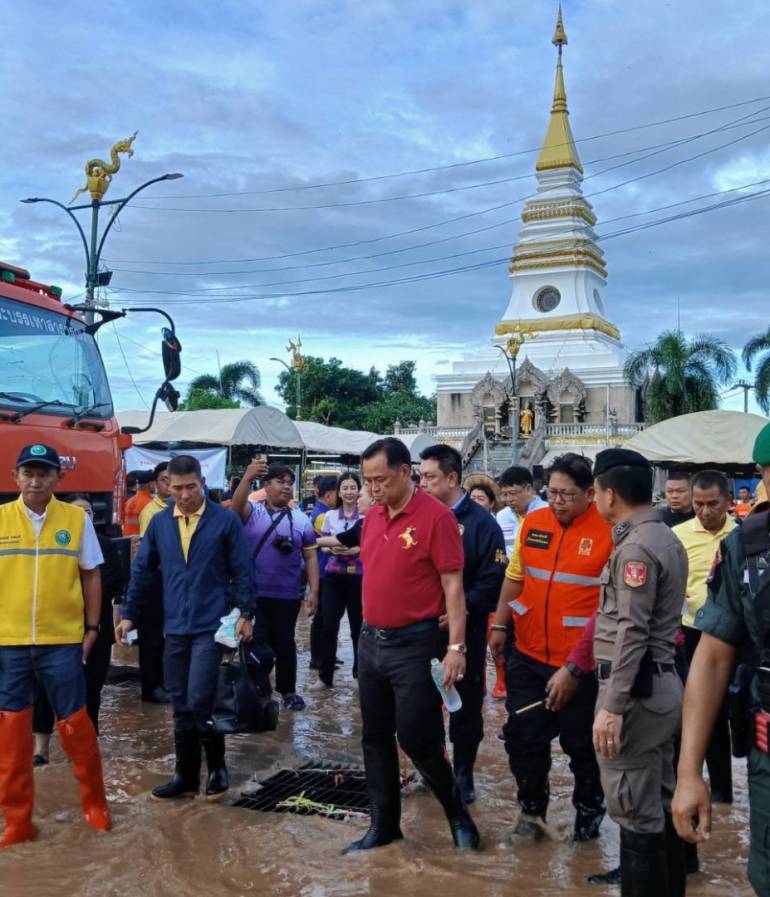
[[150, 625], [701, 537]]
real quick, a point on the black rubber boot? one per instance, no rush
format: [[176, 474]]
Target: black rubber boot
[[675, 860], [437, 775], [383, 783], [587, 822], [643, 871], [463, 760], [218, 781], [605, 878], [186, 779]]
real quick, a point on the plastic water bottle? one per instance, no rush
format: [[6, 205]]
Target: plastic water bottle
[[451, 696]]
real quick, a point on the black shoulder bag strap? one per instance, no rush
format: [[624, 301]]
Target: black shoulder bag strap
[[268, 532]]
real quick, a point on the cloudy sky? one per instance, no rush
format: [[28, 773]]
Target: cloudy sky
[[304, 129]]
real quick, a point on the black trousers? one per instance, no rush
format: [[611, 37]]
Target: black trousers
[[151, 647], [96, 670], [719, 754], [280, 615], [398, 701], [340, 594], [528, 736], [466, 725]]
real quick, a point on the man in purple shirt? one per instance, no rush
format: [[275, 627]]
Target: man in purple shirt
[[283, 546]]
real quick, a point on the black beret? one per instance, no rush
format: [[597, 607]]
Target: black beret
[[618, 457]]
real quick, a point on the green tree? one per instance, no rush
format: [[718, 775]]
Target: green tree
[[238, 382], [331, 393], [199, 399], [339, 396], [760, 346], [679, 376]]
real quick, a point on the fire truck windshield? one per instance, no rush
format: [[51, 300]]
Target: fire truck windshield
[[48, 359]]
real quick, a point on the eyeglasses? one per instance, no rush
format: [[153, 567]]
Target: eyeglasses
[[561, 495]]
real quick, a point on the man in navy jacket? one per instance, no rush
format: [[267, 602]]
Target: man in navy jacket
[[203, 559], [483, 573]]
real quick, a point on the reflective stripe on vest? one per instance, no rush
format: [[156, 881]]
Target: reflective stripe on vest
[[519, 608], [67, 552], [560, 576], [575, 621]]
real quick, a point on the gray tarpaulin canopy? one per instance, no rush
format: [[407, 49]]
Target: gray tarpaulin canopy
[[263, 425], [706, 437]]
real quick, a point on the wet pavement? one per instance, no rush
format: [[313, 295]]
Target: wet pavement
[[216, 850]]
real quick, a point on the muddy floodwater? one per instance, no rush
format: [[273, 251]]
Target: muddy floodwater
[[217, 850]]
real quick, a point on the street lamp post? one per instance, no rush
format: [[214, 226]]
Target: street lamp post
[[514, 345], [298, 392], [93, 250]]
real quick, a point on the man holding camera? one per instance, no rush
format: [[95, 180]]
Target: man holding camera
[[283, 546]]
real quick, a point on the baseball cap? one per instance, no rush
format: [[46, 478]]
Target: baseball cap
[[761, 454], [37, 453]]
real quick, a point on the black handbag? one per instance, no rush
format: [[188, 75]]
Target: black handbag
[[244, 701]]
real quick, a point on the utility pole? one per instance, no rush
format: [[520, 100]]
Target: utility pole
[[746, 387]]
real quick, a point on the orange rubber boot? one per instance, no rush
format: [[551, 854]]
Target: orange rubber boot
[[78, 739], [499, 692], [17, 785]]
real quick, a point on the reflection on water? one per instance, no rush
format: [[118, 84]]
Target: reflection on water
[[195, 848]]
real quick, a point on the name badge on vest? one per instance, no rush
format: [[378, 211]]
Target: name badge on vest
[[538, 538]]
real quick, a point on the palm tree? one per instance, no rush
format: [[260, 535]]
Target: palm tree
[[679, 376], [237, 381], [760, 345]]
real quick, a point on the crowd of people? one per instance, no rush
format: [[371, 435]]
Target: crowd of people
[[597, 607]]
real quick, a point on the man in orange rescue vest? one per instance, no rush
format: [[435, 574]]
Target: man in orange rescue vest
[[552, 587], [51, 596]]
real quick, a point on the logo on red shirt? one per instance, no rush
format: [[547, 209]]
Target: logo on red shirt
[[408, 538]]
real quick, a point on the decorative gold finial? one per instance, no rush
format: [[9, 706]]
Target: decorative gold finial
[[99, 173], [560, 35], [298, 362]]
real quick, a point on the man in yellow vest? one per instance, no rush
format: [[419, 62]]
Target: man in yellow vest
[[50, 590]]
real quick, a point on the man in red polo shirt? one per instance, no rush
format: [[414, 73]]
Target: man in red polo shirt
[[412, 557]]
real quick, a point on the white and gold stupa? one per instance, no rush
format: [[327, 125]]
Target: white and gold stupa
[[558, 276]]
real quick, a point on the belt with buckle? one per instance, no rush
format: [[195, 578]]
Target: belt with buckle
[[385, 635], [603, 670]]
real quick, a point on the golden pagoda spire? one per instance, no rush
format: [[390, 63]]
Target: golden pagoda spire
[[559, 145]]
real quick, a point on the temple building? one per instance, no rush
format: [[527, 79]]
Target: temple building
[[555, 335]]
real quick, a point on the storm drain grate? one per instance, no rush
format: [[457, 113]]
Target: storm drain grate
[[315, 788]]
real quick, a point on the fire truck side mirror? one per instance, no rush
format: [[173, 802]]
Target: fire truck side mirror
[[171, 350]]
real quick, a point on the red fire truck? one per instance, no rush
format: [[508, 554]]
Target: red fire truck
[[54, 390]]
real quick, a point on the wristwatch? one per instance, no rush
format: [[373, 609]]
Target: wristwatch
[[573, 668], [92, 628], [460, 648], [246, 616]]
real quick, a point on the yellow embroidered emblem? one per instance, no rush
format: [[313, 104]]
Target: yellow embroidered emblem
[[408, 538]]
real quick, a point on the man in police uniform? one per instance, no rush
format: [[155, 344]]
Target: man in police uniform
[[639, 701], [737, 610]]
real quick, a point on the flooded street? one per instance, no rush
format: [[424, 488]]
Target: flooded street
[[195, 848]]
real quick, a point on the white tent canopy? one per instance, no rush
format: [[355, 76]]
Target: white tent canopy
[[706, 437], [263, 425], [333, 440]]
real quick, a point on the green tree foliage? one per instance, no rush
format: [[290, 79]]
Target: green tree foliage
[[679, 376], [344, 397], [200, 399], [760, 346], [238, 382]]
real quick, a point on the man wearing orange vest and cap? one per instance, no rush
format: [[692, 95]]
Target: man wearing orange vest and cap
[[552, 588], [50, 592]]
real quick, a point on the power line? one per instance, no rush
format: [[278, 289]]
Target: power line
[[453, 165], [429, 193], [427, 275], [410, 231], [410, 248], [128, 369]]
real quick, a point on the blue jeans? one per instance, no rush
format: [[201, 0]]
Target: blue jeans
[[191, 671], [58, 669]]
